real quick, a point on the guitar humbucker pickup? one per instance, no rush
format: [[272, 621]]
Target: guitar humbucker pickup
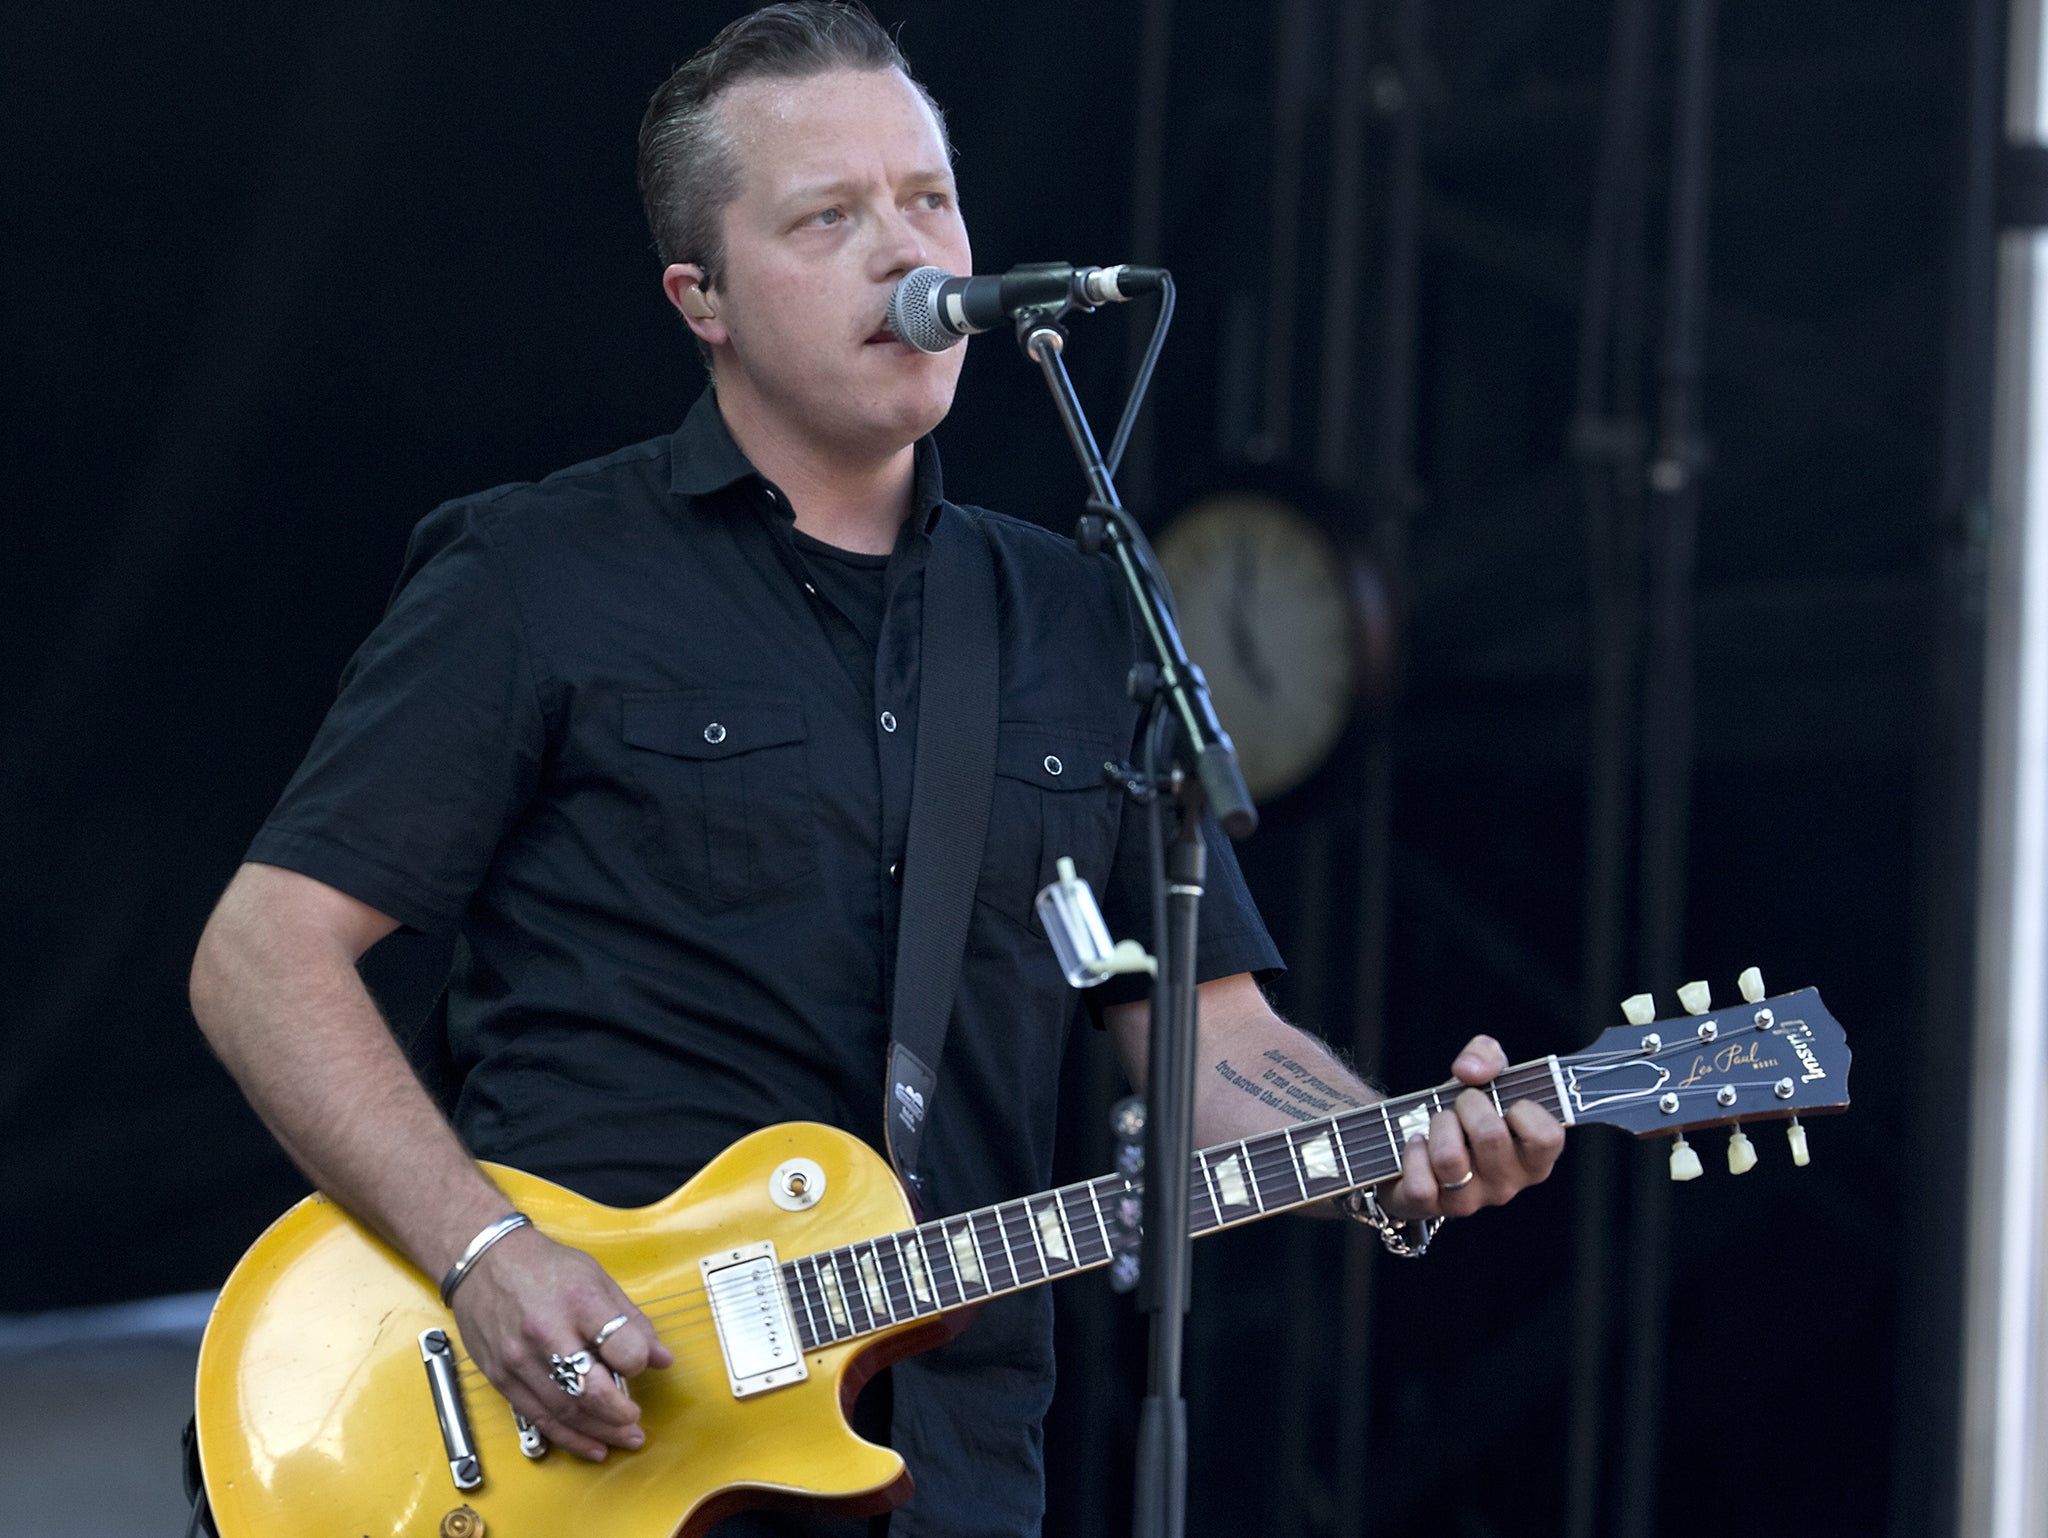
[[756, 1330]]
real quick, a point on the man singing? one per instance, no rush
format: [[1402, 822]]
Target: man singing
[[641, 736]]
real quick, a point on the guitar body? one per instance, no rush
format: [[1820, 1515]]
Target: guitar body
[[316, 1419]]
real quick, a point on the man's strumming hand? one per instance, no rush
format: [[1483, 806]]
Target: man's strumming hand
[[529, 1298]]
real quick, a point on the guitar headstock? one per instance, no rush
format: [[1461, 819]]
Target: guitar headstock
[[1761, 1059]]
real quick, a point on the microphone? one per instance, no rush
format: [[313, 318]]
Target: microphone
[[932, 310]]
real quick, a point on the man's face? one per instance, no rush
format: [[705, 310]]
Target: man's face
[[844, 187]]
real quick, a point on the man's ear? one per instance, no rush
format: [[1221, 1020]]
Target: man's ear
[[683, 283]]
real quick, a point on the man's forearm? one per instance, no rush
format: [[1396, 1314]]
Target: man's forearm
[[1297, 1080], [275, 990], [1256, 1074], [1254, 1071]]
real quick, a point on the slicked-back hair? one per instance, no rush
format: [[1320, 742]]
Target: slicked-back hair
[[689, 169]]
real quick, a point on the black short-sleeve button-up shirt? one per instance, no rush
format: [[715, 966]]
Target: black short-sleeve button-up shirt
[[616, 733]]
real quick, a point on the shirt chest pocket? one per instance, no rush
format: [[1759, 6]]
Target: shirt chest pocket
[[1050, 800], [725, 780]]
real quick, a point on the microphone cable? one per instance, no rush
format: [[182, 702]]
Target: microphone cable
[[1143, 381]]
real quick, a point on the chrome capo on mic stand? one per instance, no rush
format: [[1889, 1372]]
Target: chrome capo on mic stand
[[1189, 757]]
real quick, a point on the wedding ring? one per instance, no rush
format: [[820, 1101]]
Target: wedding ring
[[1458, 1185], [606, 1331], [569, 1372]]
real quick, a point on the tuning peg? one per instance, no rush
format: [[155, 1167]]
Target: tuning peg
[[1685, 1164], [1741, 1153], [1751, 984], [1796, 1136], [1697, 998], [1639, 1009]]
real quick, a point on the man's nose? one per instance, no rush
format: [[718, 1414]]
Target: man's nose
[[901, 246]]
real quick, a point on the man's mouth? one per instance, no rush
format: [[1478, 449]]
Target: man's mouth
[[882, 334]]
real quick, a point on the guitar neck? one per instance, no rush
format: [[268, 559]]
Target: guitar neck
[[955, 1262]]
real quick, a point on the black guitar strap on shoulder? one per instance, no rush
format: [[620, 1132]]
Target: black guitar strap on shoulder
[[952, 781]]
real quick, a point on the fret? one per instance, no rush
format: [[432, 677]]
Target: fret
[[1078, 1236], [835, 1299], [1209, 1185], [1031, 1231], [872, 1288], [914, 1272], [1252, 1174], [897, 1274], [939, 1260], [939, 1257], [1393, 1143], [996, 1216], [1294, 1162], [897, 1285], [1493, 1090], [894, 1283], [1053, 1240], [1367, 1158], [836, 1322], [850, 1284], [1073, 1235], [942, 1253], [1343, 1157], [969, 1259], [1095, 1200], [795, 1273], [1230, 1174]]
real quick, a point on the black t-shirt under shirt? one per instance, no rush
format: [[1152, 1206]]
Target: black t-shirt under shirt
[[851, 581], [647, 750]]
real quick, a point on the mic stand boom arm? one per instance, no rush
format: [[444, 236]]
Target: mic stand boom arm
[[1179, 697]]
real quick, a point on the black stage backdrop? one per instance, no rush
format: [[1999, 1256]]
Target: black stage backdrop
[[278, 279]]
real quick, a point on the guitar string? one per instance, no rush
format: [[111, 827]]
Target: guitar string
[[1266, 1162], [1013, 1219], [1272, 1157], [901, 1306]]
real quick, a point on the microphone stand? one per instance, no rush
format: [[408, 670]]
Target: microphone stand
[[1200, 768]]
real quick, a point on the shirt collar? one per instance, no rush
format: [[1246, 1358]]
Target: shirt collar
[[703, 459]]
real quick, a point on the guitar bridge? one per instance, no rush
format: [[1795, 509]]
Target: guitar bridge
[[756, 1330], [463, 1465]]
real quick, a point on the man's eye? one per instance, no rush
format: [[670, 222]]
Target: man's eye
[[828, 216], [935, 201]]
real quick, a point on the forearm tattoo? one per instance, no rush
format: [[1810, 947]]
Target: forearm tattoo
[[1289, 1087]]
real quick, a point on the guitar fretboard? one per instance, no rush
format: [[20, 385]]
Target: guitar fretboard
[[952, 1262]]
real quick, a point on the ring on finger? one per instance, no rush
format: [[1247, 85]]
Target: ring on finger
[[607, 1330], [1459, 1185], [569, 1372]]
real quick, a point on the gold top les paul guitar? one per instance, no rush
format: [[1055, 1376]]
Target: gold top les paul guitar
[[335, 1399]]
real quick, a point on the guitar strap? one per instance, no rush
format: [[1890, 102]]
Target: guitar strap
[[952, 781]]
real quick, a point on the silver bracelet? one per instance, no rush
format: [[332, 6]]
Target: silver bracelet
[[490, 1235], [1364, 1207]]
